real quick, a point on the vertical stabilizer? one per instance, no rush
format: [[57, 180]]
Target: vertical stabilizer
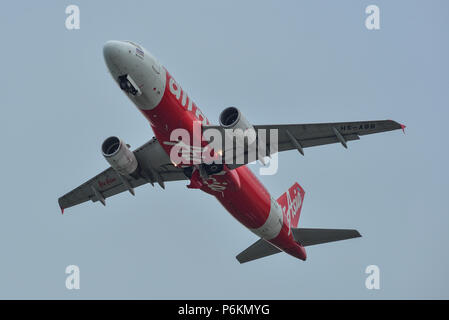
[[291, 204]]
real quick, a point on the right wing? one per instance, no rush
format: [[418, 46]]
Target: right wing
[[154, 166]]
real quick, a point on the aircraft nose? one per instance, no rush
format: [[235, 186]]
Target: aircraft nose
[[117, 57], [111, 50]]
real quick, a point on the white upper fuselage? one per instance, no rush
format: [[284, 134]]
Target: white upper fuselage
[[125, 57]]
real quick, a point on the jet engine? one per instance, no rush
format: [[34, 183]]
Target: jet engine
[[232, 118], [119, 156]]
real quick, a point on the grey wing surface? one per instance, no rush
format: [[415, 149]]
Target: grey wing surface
[[154, 166], [316, 134], [300, 136]]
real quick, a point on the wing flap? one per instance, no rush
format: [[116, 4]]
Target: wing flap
[[312, 142]]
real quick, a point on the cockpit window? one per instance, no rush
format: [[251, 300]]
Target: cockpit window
[[134, 44], [139, 50]]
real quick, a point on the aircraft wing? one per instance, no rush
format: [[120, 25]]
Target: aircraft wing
[[300, 136], [154, 166]]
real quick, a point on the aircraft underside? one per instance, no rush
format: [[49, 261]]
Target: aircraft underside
[[170, 157]]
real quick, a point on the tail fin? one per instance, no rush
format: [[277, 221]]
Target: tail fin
[[291, 204]]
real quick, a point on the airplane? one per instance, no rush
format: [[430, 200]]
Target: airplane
[[167, 107]]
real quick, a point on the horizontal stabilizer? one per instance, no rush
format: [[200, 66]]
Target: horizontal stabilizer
[[309, 237], [261, 248]]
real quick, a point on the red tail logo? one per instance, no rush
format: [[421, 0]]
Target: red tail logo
[[291, 204]]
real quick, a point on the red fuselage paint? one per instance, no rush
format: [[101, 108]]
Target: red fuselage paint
[[250, 203]]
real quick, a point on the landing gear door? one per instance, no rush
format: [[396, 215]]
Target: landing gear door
[[128, 85]]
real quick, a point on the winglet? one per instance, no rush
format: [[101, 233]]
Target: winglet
[[61, 205], [400, 124]]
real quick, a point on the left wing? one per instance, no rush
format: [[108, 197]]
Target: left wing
[[154, 166], [316, 134], [300, 136]]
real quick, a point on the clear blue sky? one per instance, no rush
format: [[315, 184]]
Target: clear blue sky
[[279, 62]]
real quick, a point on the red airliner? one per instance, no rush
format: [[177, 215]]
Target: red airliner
[[168, 108]]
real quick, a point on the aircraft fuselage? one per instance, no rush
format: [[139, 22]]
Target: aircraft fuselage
[[168, 107]]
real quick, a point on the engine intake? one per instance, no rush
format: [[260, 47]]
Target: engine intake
[[117, 153], [232, 118], [229, 117]]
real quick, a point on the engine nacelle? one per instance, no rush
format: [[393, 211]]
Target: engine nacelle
[[119, 156], [232, 118]]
